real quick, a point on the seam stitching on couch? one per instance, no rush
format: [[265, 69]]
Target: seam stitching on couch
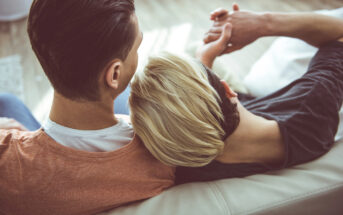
[[292, 199], [218, 193]]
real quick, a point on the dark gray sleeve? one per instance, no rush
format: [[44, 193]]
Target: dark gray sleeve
[[312, 128], [327, 63]]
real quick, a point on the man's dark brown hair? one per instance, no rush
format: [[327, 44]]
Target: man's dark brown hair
[[74, 40]]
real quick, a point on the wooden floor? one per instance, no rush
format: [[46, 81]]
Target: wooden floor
[[167, 25]]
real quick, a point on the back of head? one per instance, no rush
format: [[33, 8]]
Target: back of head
[[74, 41], [175, 111]]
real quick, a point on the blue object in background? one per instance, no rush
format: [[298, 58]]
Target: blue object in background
[[12, 107], [121, 103]]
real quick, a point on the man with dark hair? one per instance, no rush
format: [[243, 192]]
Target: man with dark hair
[[84, 159], [75, 41]]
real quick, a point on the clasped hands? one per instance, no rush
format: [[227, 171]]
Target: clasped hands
[[230, 31]]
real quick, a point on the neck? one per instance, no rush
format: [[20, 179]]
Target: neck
[[255, 140], [82, 115]]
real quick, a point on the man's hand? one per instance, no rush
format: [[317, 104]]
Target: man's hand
[[247, 27], [209, 51], [315, 29], [7, 123]]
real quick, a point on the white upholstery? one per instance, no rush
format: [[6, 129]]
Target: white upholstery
[[314, 188]]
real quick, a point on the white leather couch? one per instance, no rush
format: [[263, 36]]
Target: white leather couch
[[314, 188]]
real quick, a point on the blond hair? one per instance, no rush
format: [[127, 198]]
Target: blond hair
[[175, 111]]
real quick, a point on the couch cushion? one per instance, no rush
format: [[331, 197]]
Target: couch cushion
[[312, 188]]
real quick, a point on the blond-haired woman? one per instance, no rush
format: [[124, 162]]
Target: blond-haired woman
[[187, 117]]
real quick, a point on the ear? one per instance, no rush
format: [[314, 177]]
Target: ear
[[229, 92], [113, 74]]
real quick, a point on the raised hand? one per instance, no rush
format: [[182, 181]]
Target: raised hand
[[246, 27], [209, 51]]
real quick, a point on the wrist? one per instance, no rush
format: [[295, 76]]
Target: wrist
[[205, 59], [267, 24], [208, 62]]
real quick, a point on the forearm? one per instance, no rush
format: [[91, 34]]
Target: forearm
[[313, 28]]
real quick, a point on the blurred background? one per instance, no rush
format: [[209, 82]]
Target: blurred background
[[176, 26]]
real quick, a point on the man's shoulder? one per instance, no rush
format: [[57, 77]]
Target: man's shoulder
[[6, 135], [12, 139], [15, 148]]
